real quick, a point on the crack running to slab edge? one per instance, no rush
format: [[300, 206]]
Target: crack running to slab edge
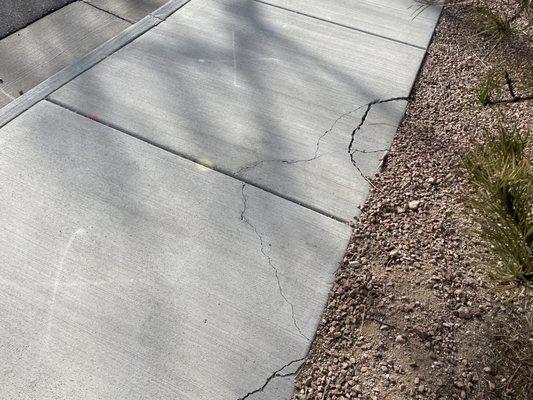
[[269, 259], [275, 374], [316, 154], [352, 150]]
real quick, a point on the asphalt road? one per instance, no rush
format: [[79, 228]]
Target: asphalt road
[[16, 14]]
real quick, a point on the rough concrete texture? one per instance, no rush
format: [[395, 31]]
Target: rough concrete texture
[[268, 95], [128, 272], [54, 42]]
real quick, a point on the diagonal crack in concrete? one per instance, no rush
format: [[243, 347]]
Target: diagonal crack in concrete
[[316, 154], [269, 259], [275, 374], [352, 150]]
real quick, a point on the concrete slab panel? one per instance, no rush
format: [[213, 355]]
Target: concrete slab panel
[[132, 10], [401, 20], [260, 93], [43, 48], [128, 272]]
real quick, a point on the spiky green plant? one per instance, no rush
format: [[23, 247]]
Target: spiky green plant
[[489, 84], [501, 203], [494, 25]]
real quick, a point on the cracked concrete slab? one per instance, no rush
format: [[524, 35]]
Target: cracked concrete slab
[[402, 20], [38, 51], [275, 386], [250, 90], [128, 272]]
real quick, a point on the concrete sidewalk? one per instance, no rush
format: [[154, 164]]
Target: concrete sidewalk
[[176, 204]]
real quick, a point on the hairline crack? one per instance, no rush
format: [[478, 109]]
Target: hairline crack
[[352, 150], [254, 164], [275, 374], [269, 260]]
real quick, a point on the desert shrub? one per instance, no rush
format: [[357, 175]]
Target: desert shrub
[[494, 25], [500, 174]]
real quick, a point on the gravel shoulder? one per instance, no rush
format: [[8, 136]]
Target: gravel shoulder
[[411, 314]]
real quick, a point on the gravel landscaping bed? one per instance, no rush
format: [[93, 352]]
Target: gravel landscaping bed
[[412, 314]]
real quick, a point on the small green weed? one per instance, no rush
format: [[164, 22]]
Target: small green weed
[[489, 84]]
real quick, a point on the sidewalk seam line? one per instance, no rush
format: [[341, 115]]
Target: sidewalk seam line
[[108, 12], [341, 25], [196, 160]]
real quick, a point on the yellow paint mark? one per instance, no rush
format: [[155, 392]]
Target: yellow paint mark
[[205, 165]]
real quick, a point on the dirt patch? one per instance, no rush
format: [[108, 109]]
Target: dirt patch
[[411, 314]]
